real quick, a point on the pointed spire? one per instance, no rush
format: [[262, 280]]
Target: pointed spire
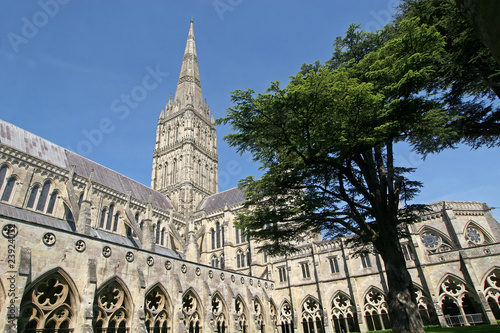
[[189, 87]]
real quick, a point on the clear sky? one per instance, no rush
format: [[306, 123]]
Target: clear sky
[[66, 65]]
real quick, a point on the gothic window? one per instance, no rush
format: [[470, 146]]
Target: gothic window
[[219, 314], [212, 238], [112, 309], [165, 175], [109, 219], [52, 202], [215, 261], [434, 243], [48, 306], [240, 235], [222, 261], [407, 252], [375, 310], [9, 188], [157, 232], [241, 316], [365, 260], [158, 318], [259, 314], [282, 273], [103, 217], [43, 197], [3, 174], [492, 292], [286, 320], [32, 197], [115, 221], [162, 237], [425, 308], [177, 132], [334, 265], [273, 314], [249, 258], [191, 309], [305, 270], [311, 316], [456, 299], [199, 172], [218, 234], [240, 259], [174, 172], [343, 313], [264, 255]]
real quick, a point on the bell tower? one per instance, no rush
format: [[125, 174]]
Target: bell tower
[[185, 161]]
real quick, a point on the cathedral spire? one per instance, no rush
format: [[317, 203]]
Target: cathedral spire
[[189, 87]]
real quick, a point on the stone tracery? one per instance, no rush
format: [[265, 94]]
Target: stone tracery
[[343, 313], [492, 291], [112, 309], [157, 311]]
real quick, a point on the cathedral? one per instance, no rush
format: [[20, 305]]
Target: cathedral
[[86, 249]]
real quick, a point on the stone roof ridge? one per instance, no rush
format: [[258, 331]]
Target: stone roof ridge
[[456, 205]]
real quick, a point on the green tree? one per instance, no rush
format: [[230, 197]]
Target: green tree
[[469, 77], [326, 144]]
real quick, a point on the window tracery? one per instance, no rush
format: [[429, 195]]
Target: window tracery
[[343, 312], [286, 319], [48, 306], [111, 309], [191, 310], [259, 314], [219, 314], [157, 311], [241, 318], [434, 243], [492, 292], [375, 309], [311, 316]]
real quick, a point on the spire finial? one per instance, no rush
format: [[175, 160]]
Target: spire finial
[[191, 19]]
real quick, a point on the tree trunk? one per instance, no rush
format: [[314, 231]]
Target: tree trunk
[[401, 302]]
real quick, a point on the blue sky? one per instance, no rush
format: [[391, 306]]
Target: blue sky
[[65, 63]]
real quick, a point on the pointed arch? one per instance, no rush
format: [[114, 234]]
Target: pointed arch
[[273, 312], [375, 309], [241, 311], [456, 298], [343, 312], [491, 285], [158, 310], [50, 302], [435, 241], [112, 307], [311, 315], [192, 309], [259, 314], [285, 319], [220, 313], [425, 306], [476, 235]]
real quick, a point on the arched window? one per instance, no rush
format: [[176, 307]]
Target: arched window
[[115, 222], [103, 217], [191, 309], [215, 261], [52, 202], [218, 234], [112, 309], [48, 306], [222, 261], [162, 240], [43, 197], [241, 315], [219, 313], [249, 257], [240, 259], [212, 237], [3, 173], [165, 175], [32, 198], [157, 311], [174, 172], [9, 188], [199, 173], [109, 220], [286, 320], [206, 176], [311, 316], [157, 234]]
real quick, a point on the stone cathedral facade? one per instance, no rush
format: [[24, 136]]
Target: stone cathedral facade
[[86, 249]]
